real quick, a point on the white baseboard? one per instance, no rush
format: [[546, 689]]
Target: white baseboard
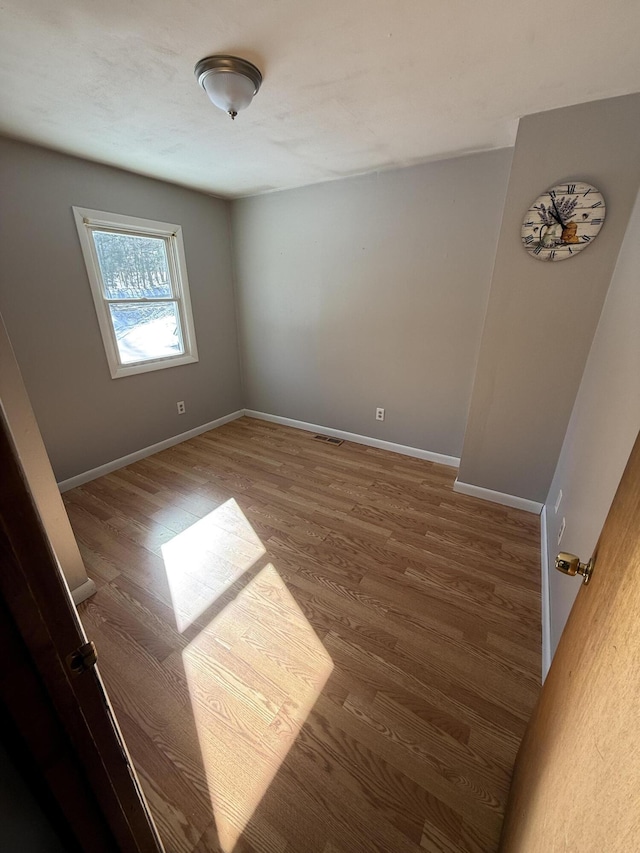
[[94, 473], [546, 599], [404, 449], [84, 591], [497, 497]]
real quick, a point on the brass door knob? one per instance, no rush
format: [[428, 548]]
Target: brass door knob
[[569, 564]]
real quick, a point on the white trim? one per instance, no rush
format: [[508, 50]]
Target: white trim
[[546, 598], [416, 452], [86, 222], [497, 497], [107, 468], [84, 591]]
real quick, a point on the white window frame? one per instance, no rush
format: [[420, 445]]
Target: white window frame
[[98, 220]]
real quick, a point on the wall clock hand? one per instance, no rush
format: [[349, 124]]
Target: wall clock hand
[[557, 212]]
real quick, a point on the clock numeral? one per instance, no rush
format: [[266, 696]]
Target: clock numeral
[[552, 254], [528, 224], [586, 238], [570, 250], [571, 188], [528, 239], [597, 221], [597, 204], [552, 193], [588, 191], [537, 249]]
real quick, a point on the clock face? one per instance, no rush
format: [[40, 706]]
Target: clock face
[[563, 221]]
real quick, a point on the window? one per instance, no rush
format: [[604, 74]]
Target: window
[[138, 278]]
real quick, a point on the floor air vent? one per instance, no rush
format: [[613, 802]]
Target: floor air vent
[[328, 439]]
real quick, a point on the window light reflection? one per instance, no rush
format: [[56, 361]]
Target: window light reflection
[[254, 674], [206, 558]]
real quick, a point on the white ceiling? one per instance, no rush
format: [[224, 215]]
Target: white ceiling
[[349, 85]]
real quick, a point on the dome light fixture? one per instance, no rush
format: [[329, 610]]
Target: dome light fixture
[[230, 82]]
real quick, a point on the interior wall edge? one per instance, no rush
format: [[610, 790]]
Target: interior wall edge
[[546, 600], [233, 261], [528, 365], [84, 591], [602, 428], [17, 413]]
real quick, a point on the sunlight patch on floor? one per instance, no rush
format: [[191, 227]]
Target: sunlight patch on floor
[[253, 673], [206, 558]]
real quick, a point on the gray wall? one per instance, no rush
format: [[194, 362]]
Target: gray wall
[[602, 429], [368, 292], [18, 414], [541, 317], [87, 418]]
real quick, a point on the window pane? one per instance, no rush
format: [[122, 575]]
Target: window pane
[[132, 266], [144, 332]]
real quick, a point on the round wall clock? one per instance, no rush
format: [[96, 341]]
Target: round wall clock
[[562, 221]]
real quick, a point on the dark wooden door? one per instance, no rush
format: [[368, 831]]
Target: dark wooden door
[[64, 720]]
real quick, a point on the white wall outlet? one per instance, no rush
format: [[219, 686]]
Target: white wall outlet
[[558, 500], [181, 407], [561, 531], [379, 414]]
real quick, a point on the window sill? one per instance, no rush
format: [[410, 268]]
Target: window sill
[[117, 372]]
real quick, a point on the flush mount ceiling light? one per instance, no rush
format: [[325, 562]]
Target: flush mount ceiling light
[[230, 82]]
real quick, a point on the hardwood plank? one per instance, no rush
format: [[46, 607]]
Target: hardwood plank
[[312, 649]]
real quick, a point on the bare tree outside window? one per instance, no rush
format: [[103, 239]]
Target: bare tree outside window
[[138, 290], [137, 268]]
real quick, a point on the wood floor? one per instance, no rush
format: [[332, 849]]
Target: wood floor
[[312, 649]]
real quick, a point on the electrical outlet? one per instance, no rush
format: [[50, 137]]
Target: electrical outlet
[[379, 414], [181, 407], [558, 500], [561, 531]]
